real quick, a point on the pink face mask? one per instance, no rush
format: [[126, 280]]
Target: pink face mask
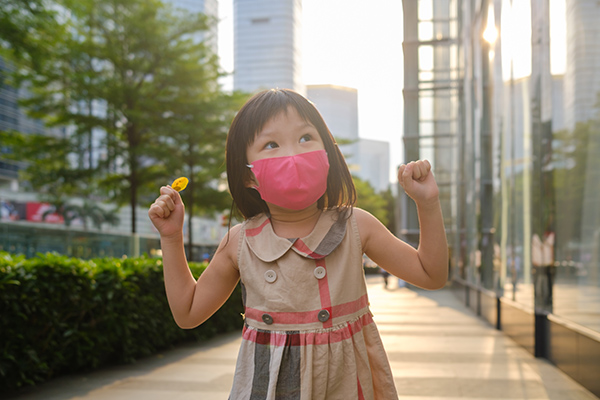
[[293, 182]]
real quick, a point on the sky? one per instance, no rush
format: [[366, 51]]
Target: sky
[[358, 44], [347, 43]]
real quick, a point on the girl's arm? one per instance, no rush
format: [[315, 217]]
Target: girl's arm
[[427, 266], [192, 302]]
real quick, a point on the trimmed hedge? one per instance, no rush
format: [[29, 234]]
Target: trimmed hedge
[[61, 315]]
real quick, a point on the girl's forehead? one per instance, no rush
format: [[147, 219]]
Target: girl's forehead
[[286, 116], [288, 112]]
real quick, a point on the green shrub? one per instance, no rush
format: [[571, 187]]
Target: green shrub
[[60, 315]]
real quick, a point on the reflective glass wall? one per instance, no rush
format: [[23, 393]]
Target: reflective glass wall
[[504, 97], [576, 161], [546, 125]]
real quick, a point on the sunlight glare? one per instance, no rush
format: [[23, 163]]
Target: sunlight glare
[[491, 33], [515, 33], [558, 37]]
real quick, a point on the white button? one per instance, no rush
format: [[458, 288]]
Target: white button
[[270, 276], [320, 272]]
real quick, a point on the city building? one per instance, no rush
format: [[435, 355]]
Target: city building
[[366, 159], [374, 163], [581, 79], [338, 106], [268, 45], [431, 95], [516, 153], [13, 118]]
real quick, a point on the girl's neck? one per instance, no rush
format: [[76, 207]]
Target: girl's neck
[[294, 224]]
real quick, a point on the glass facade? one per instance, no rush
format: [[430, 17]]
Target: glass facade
[[576, 165], [503, 96], [431, 93], [29, 241]]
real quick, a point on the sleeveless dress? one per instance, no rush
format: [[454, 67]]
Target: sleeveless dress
[[308, 331]]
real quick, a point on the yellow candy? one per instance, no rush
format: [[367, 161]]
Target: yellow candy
[[180, 183]]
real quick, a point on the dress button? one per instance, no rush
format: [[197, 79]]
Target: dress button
[[323, 315], [270, 276], [320, 272], [267, 319]]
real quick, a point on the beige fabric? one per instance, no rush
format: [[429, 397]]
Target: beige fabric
[[318, 329]]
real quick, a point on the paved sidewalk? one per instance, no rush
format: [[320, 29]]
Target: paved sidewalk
[[438, 349]]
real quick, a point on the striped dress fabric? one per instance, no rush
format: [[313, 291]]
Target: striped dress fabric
[[308, 332]]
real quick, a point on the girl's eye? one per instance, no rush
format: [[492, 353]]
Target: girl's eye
[[306, 138], [271, 145]]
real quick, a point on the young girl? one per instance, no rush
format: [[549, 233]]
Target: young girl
[[308, 332]]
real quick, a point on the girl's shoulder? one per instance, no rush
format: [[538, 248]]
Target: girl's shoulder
[[368, 226], [363, 217]]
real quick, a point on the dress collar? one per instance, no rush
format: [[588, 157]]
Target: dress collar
[[326, 236]]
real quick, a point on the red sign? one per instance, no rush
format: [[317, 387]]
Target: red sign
[[43, 212]]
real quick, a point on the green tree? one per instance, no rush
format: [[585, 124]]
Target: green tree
[[570, 157], [48, 166], [369, 200], [115, 81], [28, 30]]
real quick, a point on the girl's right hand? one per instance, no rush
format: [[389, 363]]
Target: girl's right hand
[[167, 212]]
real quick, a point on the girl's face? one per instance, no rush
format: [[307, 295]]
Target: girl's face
[[287, 134]]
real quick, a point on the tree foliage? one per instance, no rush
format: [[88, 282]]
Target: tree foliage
[[28, 30], [369, 200], [49, 168], [136, 92], [570, 170], [573, 163]]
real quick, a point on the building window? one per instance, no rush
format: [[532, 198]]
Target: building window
[[260, 20]]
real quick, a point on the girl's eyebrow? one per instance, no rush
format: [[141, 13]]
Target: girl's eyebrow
[[264, 134]]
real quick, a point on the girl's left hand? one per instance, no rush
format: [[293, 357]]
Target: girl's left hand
[[418, 182]]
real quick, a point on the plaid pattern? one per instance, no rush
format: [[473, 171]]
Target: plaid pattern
[[308, 331]]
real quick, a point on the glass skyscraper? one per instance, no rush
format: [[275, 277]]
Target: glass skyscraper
[[268, 45]]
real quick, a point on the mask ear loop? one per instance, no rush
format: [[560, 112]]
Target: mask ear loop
[[252, 166]]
